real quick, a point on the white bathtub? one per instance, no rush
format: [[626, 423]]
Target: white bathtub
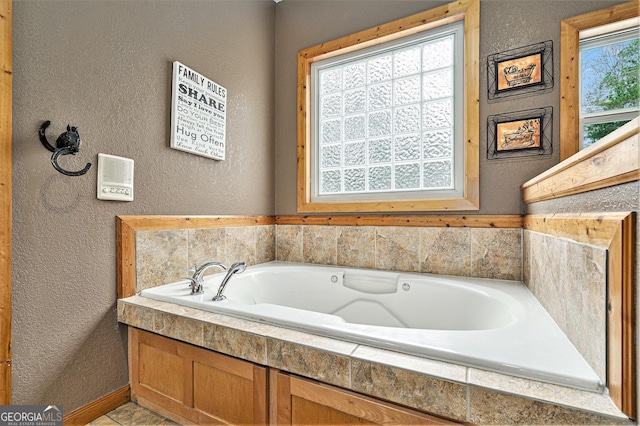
[[490, 324]]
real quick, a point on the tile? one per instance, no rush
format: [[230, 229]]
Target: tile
[[236, 343], [133, 414], [545, 392], [445, 251], [179, 310], [313, 341], [241, 245], [356, 246], [552, 288], [536, 263], [289, 243], [239, 324], [488, 407], [265, 243], [526, 256], [496, 253], [320, 244], [135, 316], [426, 393], [397, 248], [181, 328], [569, 280], [143, 301], [161, 257], [103, 421], [586, 301], [429, 367], [206, 245], [309, 362]]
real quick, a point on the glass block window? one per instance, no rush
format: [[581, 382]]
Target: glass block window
[[388, 119], [609, 85]]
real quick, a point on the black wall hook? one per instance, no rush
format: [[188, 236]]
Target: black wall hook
[[67, 143]]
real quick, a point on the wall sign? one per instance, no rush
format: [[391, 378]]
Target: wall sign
[[198, 113]]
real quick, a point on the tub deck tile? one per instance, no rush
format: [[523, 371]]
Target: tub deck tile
[[409, 388], [313, 341], [545, 392], [178, 327], [490, 407], [317, 364], [240, 344], [437, 369]]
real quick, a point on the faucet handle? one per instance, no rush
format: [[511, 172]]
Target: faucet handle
[[196, 288], [194, 269]]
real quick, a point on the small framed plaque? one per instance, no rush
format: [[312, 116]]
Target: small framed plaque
[[198, 113], [520, 71], [520, 134]]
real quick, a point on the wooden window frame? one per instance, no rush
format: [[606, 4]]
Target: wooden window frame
[[571, 30], [5, 200], [467, 10]]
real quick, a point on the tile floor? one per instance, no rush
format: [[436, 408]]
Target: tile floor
[[131, 414]]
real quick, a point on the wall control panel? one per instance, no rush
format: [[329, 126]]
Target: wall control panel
[[115, 178]]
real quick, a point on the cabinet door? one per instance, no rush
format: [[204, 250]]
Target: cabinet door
[[160, 374], [301, 401], [194, 385], [229, 390]]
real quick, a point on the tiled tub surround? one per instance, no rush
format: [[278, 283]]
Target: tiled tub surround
[[449, 390], [570, 280], [488, 250], [163, 256]]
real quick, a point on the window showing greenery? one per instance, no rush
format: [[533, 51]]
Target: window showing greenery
[[609, 92], [388, 118]]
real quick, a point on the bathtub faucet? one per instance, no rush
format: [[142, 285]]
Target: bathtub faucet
[[236, 268], [197, 283]]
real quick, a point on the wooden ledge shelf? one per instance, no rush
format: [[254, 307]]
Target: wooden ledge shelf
[[613, 160]]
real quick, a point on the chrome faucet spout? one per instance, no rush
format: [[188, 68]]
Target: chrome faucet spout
[[196, 282], [236, 268]]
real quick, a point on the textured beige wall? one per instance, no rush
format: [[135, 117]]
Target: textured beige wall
[[105, 66], [504, 25]]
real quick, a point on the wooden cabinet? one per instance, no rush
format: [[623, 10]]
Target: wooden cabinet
[[194, 385], [191, 385], [305, 402]]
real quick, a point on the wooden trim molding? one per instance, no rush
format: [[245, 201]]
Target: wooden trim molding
[[454, 221], [467, 10], [5, 200], [612, 161], [570, 68], [616, 233], [99, 407], [126, 227], [146, 223]]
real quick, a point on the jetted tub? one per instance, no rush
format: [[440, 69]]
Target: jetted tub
[[490, 324]]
